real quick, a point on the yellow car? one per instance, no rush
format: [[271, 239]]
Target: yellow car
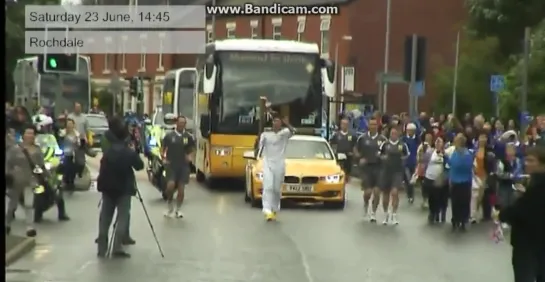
[[312, 173]]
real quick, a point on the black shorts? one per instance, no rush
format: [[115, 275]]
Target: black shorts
[[177, 174], [370, 175], [391, 179], [347, 165]]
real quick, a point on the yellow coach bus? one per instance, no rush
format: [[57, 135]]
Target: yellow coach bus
[[232, 75]]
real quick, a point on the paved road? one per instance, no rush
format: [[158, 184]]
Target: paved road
[[222, 239]]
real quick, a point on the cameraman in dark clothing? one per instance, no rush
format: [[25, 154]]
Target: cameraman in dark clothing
[[527, 219], [116, 181]]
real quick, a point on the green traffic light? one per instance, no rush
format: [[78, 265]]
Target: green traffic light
[[53, 63]]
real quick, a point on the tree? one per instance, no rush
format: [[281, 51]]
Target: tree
[[15, 37], [505, 19], [536, 74], [479, 58]]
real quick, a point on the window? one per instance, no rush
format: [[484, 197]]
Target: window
[[143, 37], [107, 62], [108, 56], [231, 30], [325, 24], [169, 85], [122, 51], [348, 78], [143, 60], [209, 34], [253, 27], [300, 27], [277, 28], [160, 56]]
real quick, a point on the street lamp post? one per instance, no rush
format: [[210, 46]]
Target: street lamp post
[[337, 85], [383, 100]]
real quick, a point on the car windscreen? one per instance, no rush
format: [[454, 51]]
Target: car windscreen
[[308, 149], [97, 121]]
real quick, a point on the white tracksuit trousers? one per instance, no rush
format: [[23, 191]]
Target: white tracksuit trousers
[[273, 177]]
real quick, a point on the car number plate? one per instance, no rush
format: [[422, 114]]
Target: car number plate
[[93, 186], [298, 188]]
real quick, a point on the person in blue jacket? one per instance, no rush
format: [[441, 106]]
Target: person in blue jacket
[[460, 173], [412, 140]]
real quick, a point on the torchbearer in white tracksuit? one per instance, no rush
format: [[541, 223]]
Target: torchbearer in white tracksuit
[[273, 144]]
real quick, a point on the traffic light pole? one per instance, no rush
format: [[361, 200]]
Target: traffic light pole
[[137, 87]]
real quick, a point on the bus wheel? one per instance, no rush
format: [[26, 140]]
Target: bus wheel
[[192, 168], [200, 176]]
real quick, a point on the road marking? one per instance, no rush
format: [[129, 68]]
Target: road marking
[[220, 206], [41, 251], [84, 266], [218, 239], [304, 259]]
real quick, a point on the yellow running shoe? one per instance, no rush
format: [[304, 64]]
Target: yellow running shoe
[[270, 216]]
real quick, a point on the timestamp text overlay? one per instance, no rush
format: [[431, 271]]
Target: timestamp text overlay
[[115, 17]]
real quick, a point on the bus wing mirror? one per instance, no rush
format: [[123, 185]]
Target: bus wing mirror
[[250, 155], [209, 83], [341, 157], [328, 78]]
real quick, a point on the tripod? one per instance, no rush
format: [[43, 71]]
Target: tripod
[[140, 199]]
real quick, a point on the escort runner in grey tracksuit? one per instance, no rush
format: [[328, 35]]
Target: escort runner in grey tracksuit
[[367, 147], [345, 142], [393, 154]]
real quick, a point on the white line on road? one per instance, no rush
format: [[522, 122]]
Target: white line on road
[[220, 206]]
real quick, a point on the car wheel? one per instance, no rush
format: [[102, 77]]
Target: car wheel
[[253, 202], [200, 176], [247, 198], [247, 190], [256, 203]]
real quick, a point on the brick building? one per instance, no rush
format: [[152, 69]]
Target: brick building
[[356, 37], [153, 66]]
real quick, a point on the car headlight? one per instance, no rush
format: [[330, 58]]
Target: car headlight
[[332, 179], [48, 166], [259, 176], [222, 151]]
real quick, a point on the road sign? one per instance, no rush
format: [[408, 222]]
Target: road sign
[[389, 78], [418, 89], [497, 83]]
